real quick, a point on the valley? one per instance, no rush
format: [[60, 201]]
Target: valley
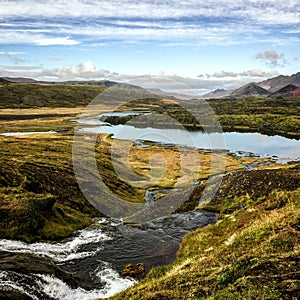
[[202, 222]]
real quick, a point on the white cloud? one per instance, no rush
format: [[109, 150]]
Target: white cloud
[[25, 37], [11, 53], [250, 73], [20, 68], [162, 80], [45, 41], [272, 58], [86, 70], [12, 56], [222, 74], [271, 11], [259, 73], [145, 20]]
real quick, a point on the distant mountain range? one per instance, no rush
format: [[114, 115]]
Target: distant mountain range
[[218, 93], [106, 83], [276, 83], [276, 87], [19, 79]]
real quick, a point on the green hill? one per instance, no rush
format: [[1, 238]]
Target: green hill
[[24, 95], [252, 252]]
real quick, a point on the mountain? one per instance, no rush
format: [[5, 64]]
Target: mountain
[[3, 81], [105, 83], [276, 83], [268, 88], [291, 90], [218, 93], [250, 89], [20, 79], [172, 95], [128, 86]]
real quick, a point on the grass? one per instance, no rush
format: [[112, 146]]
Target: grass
[[161, 167], [38, 169], [250, 253], [249, 114], [23, 95], [38, 188]]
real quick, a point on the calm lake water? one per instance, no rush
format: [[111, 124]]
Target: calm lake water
[[255, 143], [98, 253], [15, 133]]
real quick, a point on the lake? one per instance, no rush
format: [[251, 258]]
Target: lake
[[284, 149]]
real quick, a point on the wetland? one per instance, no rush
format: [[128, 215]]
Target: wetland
[[80, 252]]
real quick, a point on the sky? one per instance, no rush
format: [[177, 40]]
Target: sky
[[186, 46]]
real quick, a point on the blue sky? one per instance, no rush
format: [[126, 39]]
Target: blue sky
[[185, 46]]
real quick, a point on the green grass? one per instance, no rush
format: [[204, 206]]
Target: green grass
[[39, 195], [38, 169], [251, 253], [249, 114], [23, 95]]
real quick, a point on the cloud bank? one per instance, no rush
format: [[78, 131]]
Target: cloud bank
[[196, 22], [162, 80], [250, 73]]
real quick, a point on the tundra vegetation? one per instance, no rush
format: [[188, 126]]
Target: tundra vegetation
[[252, 252]]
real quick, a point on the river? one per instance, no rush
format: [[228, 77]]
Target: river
[[98, 253]]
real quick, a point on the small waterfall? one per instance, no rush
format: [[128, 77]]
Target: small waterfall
[[96, 255]]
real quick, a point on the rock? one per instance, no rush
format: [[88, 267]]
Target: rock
[[13, 295], [133, 270], [29, 263]]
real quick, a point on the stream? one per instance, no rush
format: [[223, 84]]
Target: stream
[[98, 253]]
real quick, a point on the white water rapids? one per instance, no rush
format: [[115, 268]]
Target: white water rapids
[[44, 286], [97, 255]]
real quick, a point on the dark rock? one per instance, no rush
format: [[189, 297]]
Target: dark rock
[[29, 263], [13, 295], [133, 270]]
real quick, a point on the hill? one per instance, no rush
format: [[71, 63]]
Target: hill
[[105, 83], [276, 83], [20, 79], [290, 90], [252, 251], [271, 86], [24, 95], [250, 89], [218, 93], [3, 81], [66, 94]]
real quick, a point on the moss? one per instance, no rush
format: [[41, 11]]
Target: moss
[[53, 95], [40, 198], [133, 270], [251, 253], [243, 189]]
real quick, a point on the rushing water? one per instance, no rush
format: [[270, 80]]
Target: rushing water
[[97, 255]]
